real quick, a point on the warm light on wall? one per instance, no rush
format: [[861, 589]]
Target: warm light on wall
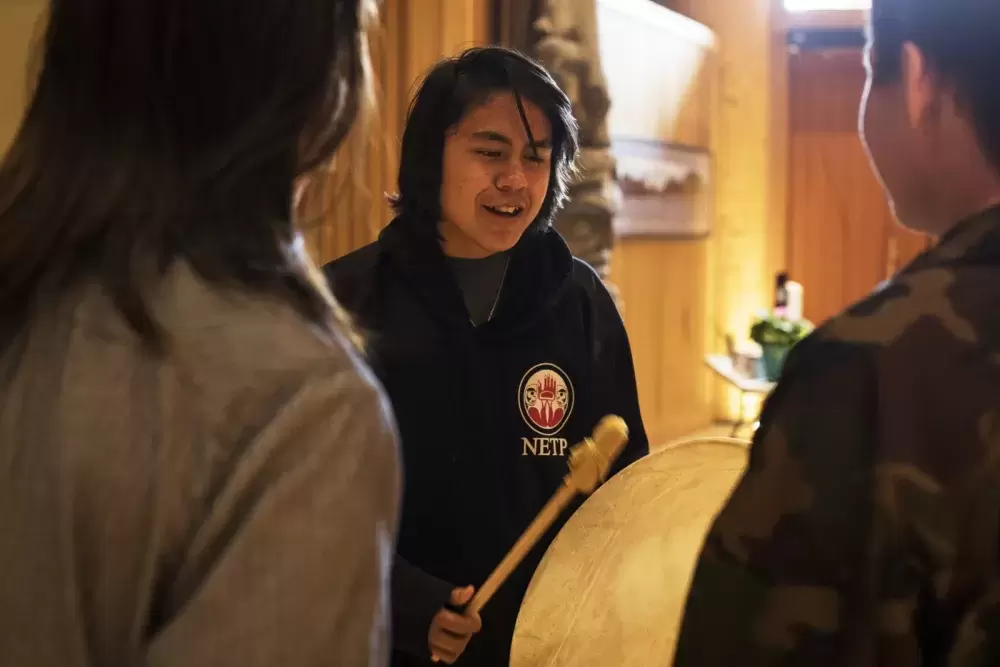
[[752, 404], [636, 38]]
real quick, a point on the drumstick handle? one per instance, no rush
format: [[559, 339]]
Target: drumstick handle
[[523, 545]]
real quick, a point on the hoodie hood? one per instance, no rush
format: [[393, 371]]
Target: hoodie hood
[[540, 270]]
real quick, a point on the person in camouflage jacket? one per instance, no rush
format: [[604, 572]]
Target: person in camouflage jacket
[[865, 530]]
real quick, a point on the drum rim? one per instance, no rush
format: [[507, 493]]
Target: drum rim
[[727, 443], [706, 440]]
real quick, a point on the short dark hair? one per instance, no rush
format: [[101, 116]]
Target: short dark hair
[[163, 130], [959, 40], [452, 89]]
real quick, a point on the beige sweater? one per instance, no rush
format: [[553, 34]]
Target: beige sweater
[[232, 505]]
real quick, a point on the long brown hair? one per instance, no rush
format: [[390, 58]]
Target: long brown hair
[[173, 130]]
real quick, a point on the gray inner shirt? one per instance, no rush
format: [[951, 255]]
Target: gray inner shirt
[[480, 281]]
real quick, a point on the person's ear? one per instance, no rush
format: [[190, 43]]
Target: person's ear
[[920, 88]]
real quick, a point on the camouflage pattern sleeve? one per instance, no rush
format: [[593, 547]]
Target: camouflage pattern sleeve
[[773, 583]]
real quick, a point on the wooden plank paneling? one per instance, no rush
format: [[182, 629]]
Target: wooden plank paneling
[[739, 257], [842, 237], [346, 208], [665, 294], [665, 284], [21, 21]]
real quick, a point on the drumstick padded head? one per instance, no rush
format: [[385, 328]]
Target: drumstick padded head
[[590, 460], [610, 437]]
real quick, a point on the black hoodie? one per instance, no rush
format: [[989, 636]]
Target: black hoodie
[[486, 414]]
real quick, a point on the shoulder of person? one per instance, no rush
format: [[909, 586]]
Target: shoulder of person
[[244, 352], [932, 305], [602, 319], [355, 264], [587, 281], [825, 369], [286, 440], [352, 276]]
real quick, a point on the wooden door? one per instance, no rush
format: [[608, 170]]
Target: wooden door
[[842, 237]]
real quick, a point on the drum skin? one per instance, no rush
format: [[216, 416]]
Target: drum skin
[[611, 588]]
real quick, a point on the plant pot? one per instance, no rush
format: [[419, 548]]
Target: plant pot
[[773, 359]]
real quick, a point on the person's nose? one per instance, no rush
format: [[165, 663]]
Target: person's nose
[[512, 178]]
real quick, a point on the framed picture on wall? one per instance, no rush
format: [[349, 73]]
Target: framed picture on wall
[[666, 189]]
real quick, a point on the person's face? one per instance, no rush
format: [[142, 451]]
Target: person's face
[[493, 180], [908, 127]]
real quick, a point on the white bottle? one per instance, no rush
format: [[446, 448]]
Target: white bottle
[[794, 310]]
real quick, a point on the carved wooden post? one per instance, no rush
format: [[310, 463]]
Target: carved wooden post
[[568, 47]]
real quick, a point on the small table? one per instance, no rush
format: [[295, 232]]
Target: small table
[[722, 365]]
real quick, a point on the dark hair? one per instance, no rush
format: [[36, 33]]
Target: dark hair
[[959, 40], [166, 130], [452, 89]]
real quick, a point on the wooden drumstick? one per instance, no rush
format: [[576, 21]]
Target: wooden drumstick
[[589, 462]]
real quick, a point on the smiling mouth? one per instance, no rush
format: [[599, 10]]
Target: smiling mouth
[[505, 211]]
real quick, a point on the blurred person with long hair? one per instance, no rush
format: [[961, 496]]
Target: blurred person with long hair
[[196, 467]]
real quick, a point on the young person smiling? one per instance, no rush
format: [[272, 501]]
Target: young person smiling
[[498, 349]]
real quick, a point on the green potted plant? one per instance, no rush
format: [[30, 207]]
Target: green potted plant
[[776, 336]]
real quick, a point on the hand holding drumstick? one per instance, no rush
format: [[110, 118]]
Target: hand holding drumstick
[[451, 630], [589, 463]]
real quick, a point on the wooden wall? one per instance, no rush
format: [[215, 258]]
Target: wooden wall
[[665, 289], [748, 239], [346, 208], [20, 21], [842, 237], [664, 283], [683, 297]]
